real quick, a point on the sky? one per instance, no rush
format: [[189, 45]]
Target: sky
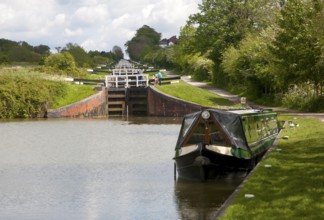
[[92, 24]]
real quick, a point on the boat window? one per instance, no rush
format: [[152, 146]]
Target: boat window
[[198, 135], [215, 135], [186, 125]]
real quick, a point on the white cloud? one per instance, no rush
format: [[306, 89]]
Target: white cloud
[[147, 11], [7, 13], [93, 24], [90, 15], [73, 33]]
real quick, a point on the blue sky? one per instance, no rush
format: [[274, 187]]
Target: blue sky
[[92, 24]]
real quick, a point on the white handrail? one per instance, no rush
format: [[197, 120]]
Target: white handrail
[[126, 81]]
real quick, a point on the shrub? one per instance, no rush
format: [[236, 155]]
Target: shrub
[[25, 94], [303, 98], [63, 64]]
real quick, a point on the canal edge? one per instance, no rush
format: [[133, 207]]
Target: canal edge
[[219, 213]]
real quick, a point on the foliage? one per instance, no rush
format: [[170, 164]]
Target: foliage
[[11, 52], [27, 94], [184, 49], [249, 64], [162, 57], [102, 58], [24, 94], [146, 40], [221, 24], [93, 58], [296, 49], [118, 52], [62, 63], [201, 66], [303, 97], [258, 48], [292, 187], [81, 57]]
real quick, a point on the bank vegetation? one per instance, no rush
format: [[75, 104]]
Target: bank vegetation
[[271, 51], [28, 93], [288, 183]]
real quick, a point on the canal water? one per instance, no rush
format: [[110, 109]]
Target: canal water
[[93, 169]]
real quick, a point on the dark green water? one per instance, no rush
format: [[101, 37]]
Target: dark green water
[[91, 169]]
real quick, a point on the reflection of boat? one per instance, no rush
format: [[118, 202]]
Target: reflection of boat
[[197, 200], [213, 141]]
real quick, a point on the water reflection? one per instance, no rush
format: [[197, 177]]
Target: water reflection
[[147, 120], [94, 169], [200, 200]]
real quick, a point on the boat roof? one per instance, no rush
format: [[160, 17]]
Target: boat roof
[[250, 111], [230, 122]]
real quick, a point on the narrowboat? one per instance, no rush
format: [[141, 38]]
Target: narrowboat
[[213, 141]]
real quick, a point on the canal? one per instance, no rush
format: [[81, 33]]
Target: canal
[[93, 169]]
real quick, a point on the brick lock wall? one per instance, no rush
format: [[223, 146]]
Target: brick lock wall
[[94, 105], [160, 104]]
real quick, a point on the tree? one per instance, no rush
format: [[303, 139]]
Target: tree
[[318, 31], [61, 61], [145, 41], [248, 66], [81, 57], [118, 52], [185, 47], [102, 57], [296, 48], [23, 54], [222, 23], [42, 49], [162, 57]]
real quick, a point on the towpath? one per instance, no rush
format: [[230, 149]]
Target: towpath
[[233, 98], [236, 99]]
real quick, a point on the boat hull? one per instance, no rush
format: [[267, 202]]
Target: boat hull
[[203, 164]]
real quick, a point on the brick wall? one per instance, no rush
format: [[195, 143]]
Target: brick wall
[[161, 104], [158, 104], [95, 105]]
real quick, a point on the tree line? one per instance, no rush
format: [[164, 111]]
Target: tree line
[[12, 52], [269, 50]]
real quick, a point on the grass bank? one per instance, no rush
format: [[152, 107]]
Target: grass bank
[[293, 188], [200, 96], [73, 93], [24, 92]]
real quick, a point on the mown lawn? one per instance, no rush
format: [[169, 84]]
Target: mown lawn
[[74, 93], [200, 96], [293, 188]]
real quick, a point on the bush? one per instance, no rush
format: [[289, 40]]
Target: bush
[[63, 64], [25, 94], [302, 98], [201, 67]]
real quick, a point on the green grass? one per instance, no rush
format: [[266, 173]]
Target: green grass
[[200, 96], [74, 93], [293, 188]]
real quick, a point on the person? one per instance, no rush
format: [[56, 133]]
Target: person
[[160, 77], [156, 80]]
